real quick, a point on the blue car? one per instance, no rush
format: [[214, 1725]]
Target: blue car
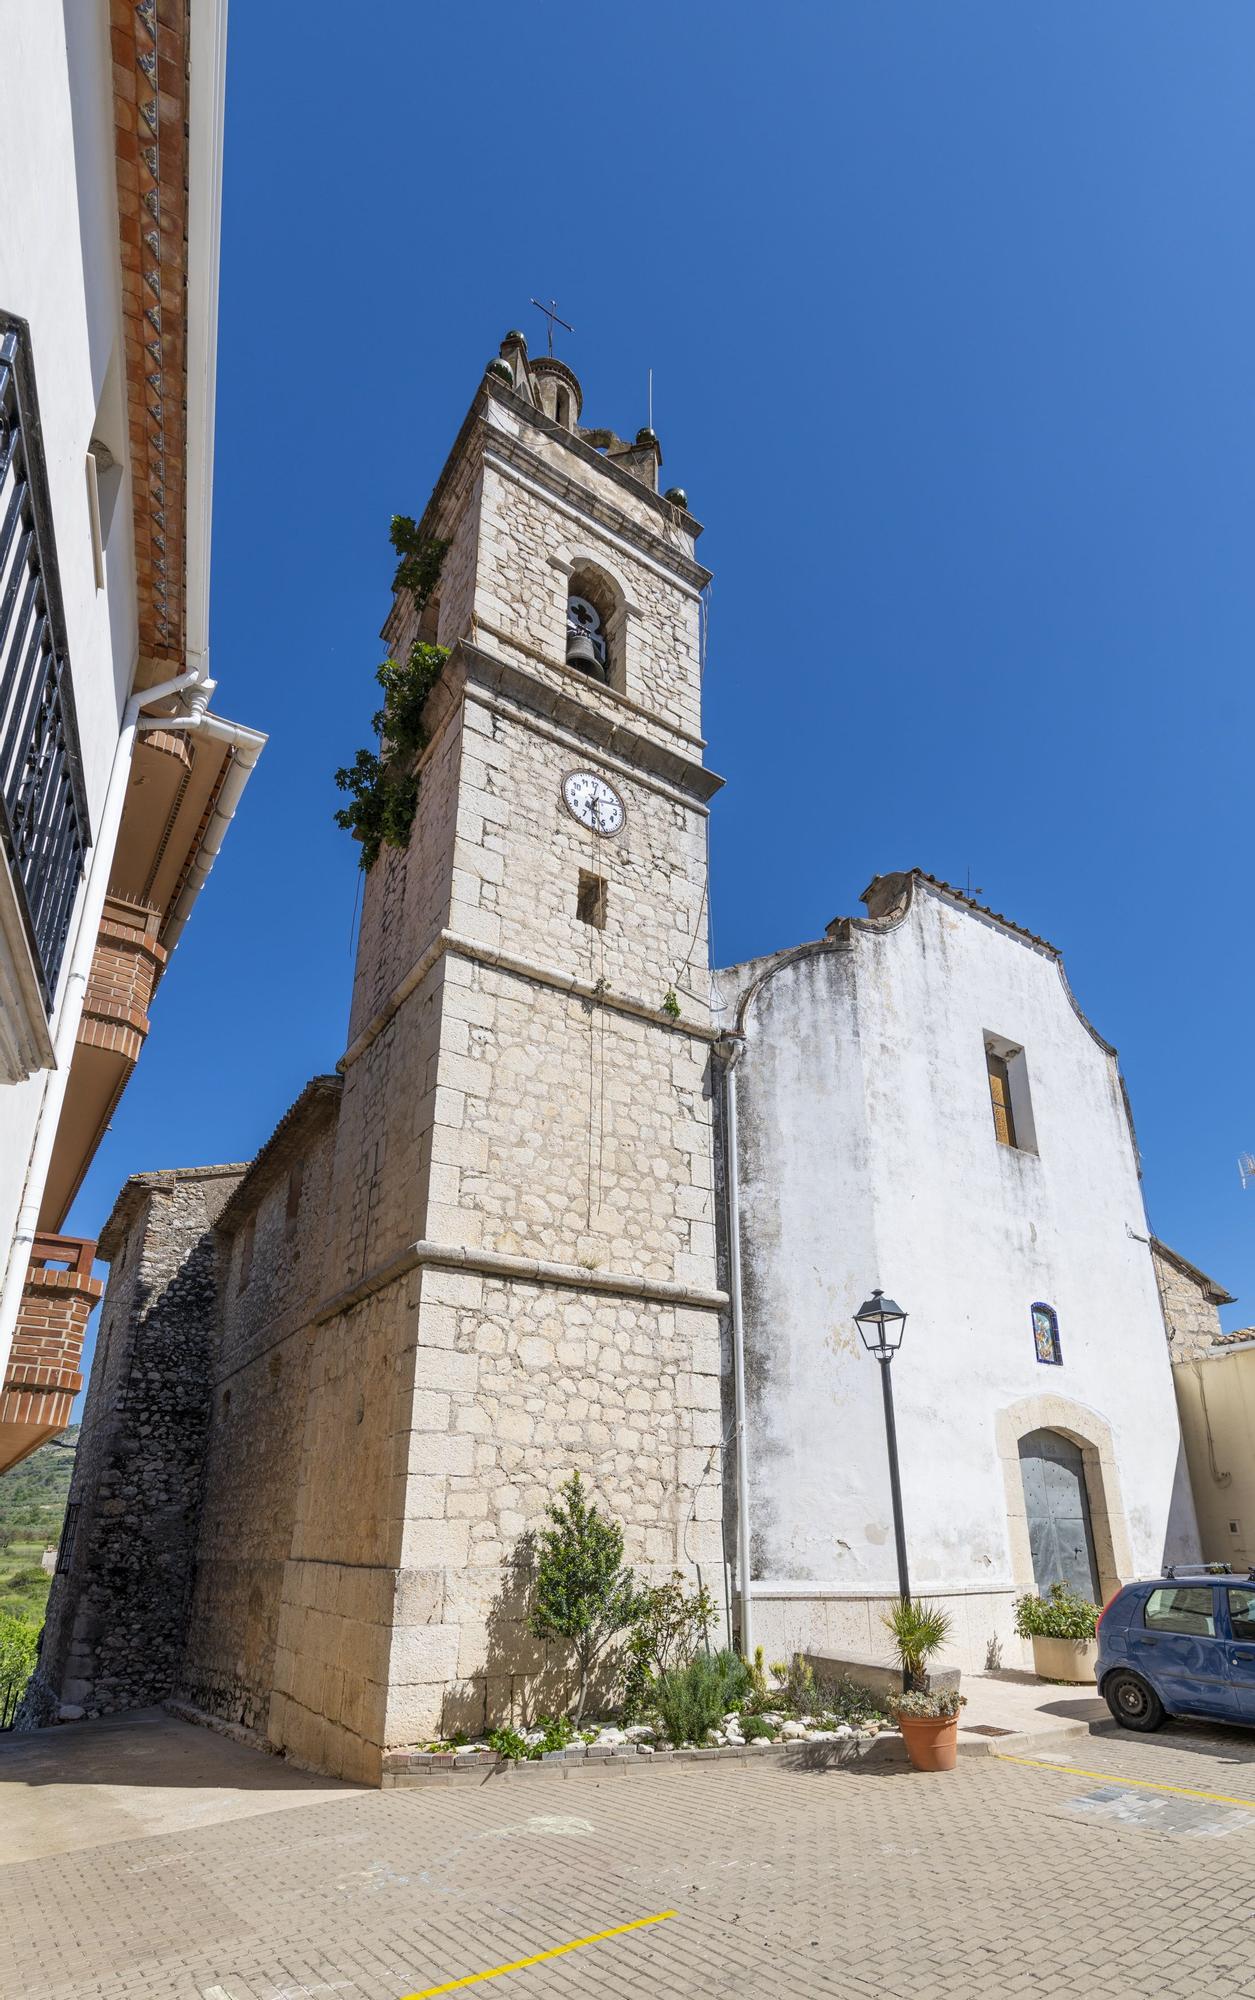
[[1180, 1644]]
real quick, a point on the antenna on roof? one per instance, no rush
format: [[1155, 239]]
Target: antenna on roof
[[1246, 1167], [650, 400], [970, 892]]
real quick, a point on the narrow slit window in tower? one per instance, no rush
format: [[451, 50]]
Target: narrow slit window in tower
[[590, 903]]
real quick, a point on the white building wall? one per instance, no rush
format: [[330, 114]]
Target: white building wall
[[59, 270], [868, 1157]]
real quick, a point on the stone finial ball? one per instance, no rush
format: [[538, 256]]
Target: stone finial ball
[[515, 335], [646, 436], [677, 496], [501, 369]]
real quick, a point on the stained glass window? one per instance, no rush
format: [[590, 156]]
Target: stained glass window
[[1046, 1334]]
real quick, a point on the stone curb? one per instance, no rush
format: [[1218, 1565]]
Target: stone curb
[[409, 1769], [1029, 1743]]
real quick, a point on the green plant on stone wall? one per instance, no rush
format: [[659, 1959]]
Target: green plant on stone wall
[[383, 784], [582, 1594]]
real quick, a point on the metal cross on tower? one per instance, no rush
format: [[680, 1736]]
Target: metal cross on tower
[[551, 314]]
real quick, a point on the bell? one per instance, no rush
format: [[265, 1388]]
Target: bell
[[581, 653]]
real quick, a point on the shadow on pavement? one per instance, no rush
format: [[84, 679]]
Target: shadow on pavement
[[147, 1747]]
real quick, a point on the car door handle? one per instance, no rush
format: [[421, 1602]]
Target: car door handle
[[1245, 1657]]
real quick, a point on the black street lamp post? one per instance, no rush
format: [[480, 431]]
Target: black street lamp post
[[881, 1324]]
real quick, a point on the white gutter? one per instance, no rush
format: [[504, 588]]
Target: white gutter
[[732, 1054], [246, 746], [206, 108]]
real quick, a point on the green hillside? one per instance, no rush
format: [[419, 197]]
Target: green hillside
[[32, 1508]]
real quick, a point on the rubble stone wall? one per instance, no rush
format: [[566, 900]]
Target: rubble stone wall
[[117, 1615]]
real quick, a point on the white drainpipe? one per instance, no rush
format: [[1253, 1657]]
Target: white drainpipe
[[732, 1053], [91, 908], [247, 746]]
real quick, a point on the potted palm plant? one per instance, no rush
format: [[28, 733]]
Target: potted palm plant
[[926, 1712], [1063, 1628]]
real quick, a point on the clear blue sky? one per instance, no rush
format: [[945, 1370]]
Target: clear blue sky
[[951, 310]]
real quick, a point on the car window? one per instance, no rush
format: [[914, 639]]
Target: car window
[[1191, 1611], [1242, 1613]]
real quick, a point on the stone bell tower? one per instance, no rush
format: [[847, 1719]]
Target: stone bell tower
[[521, 1210]]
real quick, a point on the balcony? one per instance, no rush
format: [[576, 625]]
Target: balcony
[[43, 1374], [44, 832], [126, 965]]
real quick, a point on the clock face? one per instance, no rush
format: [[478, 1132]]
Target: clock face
[[593, 802]]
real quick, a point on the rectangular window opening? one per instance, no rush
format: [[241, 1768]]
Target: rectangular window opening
[[1009, 1097], [246, 1251], [69, 1530], [590, 904]]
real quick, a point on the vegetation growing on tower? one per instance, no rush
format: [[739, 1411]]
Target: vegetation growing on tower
[[382, 783]]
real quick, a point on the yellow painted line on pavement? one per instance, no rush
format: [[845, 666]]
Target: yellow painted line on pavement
[[1115, 1778], [517, 1964]]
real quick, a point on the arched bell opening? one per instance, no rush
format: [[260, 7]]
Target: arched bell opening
[[594, 626]]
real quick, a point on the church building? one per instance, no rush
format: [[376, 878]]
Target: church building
[[922, 1106], [567, 1203], [334, 1394]]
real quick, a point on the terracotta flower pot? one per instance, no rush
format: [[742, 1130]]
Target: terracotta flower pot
[[932, 1741]]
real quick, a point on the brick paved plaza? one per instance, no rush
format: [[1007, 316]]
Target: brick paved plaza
[[1001, 1879]]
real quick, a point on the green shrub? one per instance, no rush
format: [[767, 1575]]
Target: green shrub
[[18, 1641], [508, 1743], [755, 1730], [583, 1594], [671, 1628], [795, 1694], [559, 1731], [693, 1700], [1061, 1615], [918, 1631], [21, 1579], [382, 784]]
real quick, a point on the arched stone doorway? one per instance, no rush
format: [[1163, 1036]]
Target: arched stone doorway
[[1110, 1546]]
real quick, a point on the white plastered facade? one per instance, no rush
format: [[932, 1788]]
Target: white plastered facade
[[868, 1156]]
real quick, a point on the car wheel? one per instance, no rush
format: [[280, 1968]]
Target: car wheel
[[1132, 1702]]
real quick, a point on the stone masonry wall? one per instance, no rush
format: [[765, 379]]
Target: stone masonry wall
[[116, 1620], [257, 1427], [521, 594], [515, 1386], [1191, 1317], [571, 1132]]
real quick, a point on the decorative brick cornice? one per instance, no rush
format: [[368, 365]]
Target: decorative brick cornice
[[43, 1376], [149, 42], [126, 966]]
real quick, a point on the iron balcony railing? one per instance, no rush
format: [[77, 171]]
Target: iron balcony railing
[[43, 803]]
